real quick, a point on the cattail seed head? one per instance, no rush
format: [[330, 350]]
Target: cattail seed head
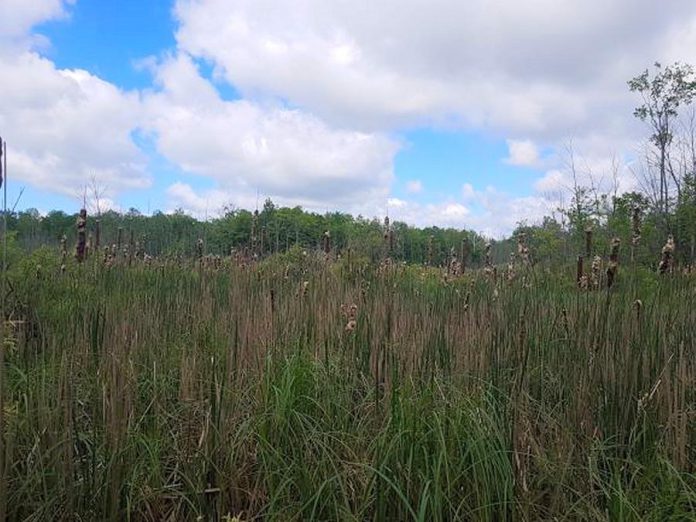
[[667, 260]]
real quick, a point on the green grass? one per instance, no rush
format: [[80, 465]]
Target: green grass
[[176, 392]]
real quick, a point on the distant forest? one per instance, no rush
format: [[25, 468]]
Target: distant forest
[[558, 238]]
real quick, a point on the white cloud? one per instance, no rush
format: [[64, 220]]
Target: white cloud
[[19, 16], [523, 153], [553, 181], [324, 87], [468, 192], [545, 68], [209, 203], [414, 186], [63, 127], [249, 147]]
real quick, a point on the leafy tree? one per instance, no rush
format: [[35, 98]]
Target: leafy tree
[[663, 93]]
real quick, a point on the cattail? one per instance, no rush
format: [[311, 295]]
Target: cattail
[[510, 274], [388, 237], [579, 273], [596, 271], [81, 240], [613, 265], [522, 248], [667, 261], [454, 267], [254, 221], [588, 241], [488, 268], [430, 250], [326, 243], [199, 250], [351, 313]]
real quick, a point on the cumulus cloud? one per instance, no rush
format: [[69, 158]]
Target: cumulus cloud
[[19, 16], [553, 181], [63, 127], [324, 86], [542, 68], [249, 147], [209, 203]]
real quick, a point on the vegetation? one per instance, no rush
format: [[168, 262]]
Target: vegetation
[[305, 388], [283, 365]]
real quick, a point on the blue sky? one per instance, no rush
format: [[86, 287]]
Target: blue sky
[[197, 104]]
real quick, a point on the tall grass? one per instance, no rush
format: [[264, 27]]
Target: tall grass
[[174, 391]]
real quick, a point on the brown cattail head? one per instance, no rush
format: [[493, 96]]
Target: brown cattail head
[[579, 273], [199, 249], [613, 265], [522, 248], [596, 271], [81, 239], [510, 273], [667, 260], [430, 250], [635, 226], [253, 239], [326, 242], [488, 268]]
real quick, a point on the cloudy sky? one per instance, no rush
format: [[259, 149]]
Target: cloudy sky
[[441, 111]]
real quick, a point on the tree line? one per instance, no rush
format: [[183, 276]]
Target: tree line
[[665, 206]]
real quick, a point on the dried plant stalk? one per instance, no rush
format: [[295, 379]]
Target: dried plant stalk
[[613, 266], [81, 236], [667, 261]]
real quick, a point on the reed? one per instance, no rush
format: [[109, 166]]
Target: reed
[[294, 389]]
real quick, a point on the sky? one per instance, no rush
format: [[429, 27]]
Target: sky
[[437, 112]]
